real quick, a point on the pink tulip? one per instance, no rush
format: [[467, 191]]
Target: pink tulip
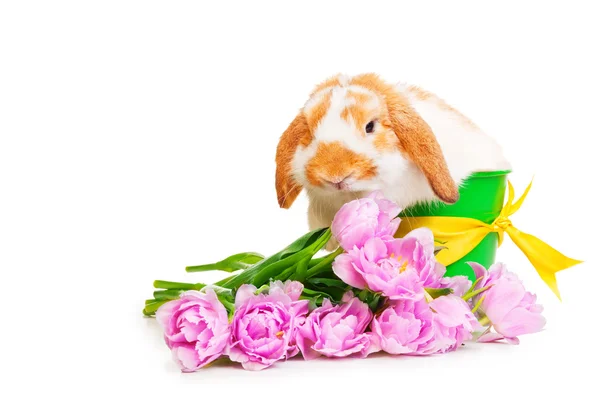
[[512, 311], [374, 267], [264, 325], [417, 247], [196, 328], [405, 327], [459, 284], [335, 331], [398, 268], [453, 321], [293, 289], [489, 277], [362, 219]]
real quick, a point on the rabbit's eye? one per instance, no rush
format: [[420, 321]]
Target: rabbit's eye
[[370, 126]]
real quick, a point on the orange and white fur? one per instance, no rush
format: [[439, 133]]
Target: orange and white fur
[[359, 134]]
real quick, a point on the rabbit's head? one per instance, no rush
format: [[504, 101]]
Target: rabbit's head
[[358, 134]]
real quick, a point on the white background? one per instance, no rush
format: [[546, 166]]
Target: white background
[[139, 137]]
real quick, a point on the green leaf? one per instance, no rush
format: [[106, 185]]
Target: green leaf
[[372, 299], [226, 298], [316, 297], [262, 289], [229, 264], [286, 274], [335, 293], [314, 302], [315, 261], [315, 293], [373, 303], [274, 269], [222, 291], [301, 267], [285, 258], [364, 294], [328, 282], [303, 242], [435, 293], [325, 264]]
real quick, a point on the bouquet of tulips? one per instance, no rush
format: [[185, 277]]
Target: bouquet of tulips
[[375, 293]]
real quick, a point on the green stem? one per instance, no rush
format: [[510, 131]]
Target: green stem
[[169, 294], [150, 308], [474, 284], [178, 285], [475, 292], [478, 304], [484, 321], [208, 267]]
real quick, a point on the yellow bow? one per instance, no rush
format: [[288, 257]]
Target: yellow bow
[[460, 235]]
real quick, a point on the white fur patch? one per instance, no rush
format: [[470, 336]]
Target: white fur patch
[[360, 89], [466, 148], [344, 80], [315, 99]]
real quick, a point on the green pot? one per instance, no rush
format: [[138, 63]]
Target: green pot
[[482, 198]]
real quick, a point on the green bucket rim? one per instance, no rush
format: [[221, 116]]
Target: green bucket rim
[[489, 174]]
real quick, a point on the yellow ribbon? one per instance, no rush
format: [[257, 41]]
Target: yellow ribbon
[[460, 235]]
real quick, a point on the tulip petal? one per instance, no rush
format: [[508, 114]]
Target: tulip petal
[[479, 270], [424, 237], [187, 358], [375, 249], [520, 321], [254, 366], [343, 267], [504, 296], [514, 340], [243, 294], [374, 345], [490, 337]]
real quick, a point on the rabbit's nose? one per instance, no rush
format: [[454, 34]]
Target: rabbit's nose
[[339, 183]]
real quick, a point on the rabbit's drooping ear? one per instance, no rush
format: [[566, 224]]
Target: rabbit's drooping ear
[[285, 184], [419, 143]]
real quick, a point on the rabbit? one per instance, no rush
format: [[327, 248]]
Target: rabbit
[[360, 134]]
